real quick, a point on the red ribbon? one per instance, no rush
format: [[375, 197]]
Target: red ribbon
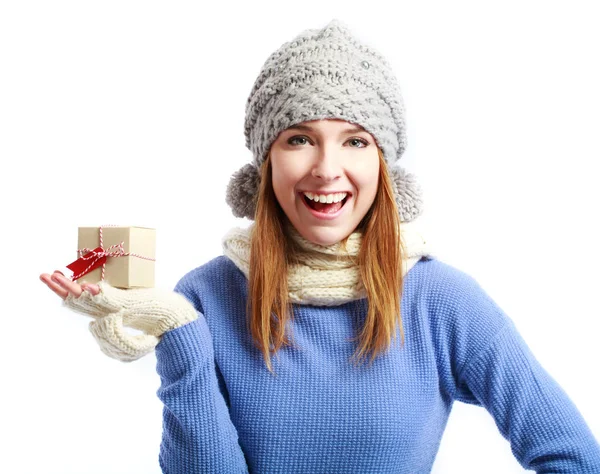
[[98, 256]]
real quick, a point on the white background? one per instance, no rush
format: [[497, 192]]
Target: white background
[[131, 113]]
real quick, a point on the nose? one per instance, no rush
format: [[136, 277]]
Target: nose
[[326, 167]]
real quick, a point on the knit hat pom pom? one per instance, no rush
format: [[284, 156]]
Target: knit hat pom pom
[[242, 191], [408, 193]]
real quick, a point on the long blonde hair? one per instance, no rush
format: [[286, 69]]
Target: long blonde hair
[[268, 306]]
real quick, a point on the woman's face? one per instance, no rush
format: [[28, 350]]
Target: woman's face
[[331, 161]]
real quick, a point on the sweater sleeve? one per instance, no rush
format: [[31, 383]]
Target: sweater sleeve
[[198, 434], [545, 430]]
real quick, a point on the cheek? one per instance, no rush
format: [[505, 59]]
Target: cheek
[[366, 176], [284, 181], [287, 176]]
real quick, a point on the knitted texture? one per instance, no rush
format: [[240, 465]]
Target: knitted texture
[[149, 310], [324, 74], [224, 412], [324, 275]]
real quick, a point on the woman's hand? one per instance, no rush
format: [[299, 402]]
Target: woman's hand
[[89, 299], [62, 286], [150, 310]]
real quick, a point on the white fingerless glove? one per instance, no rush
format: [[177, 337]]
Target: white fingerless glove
[[150, 310]]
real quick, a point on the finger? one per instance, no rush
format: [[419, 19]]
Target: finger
[[93, 289], [71, 287], [59, 290]]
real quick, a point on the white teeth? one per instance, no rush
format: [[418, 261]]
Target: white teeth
[[328, 198]]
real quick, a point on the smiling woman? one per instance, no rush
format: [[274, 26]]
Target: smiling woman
[[326, 181], [260, 351]]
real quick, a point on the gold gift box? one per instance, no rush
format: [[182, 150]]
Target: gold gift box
[[124, 271]]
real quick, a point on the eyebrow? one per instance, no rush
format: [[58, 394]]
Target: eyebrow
[[310, 129]]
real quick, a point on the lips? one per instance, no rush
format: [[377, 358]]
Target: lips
[[324, 210]]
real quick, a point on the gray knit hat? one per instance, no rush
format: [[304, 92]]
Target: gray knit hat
[[325, 73]]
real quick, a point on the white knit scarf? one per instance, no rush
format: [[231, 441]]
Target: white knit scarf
[[325, 275]]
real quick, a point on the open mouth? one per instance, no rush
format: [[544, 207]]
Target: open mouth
[[324, 207]]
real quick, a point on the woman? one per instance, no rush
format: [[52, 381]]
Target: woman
[[282, 354]]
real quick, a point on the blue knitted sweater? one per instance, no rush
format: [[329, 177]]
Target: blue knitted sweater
[[224, 412]]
